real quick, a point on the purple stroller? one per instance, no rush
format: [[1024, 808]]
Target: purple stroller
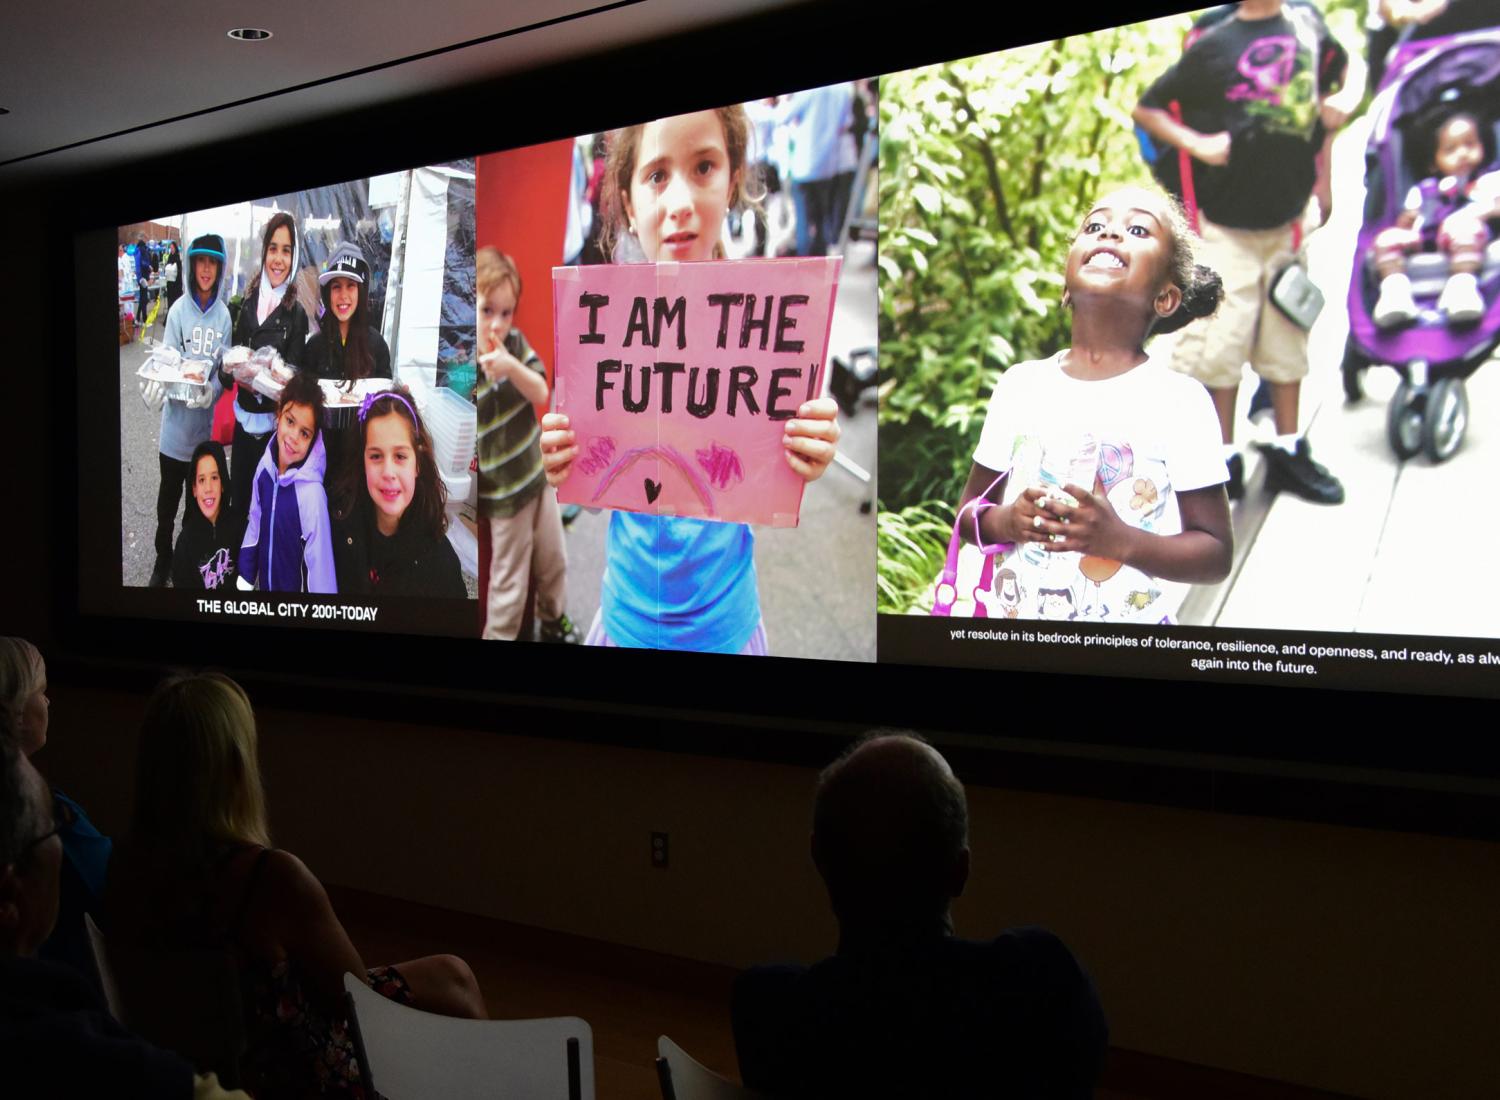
[[1427, 79]]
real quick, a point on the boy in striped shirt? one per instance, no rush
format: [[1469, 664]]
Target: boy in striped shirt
[[526, 534]]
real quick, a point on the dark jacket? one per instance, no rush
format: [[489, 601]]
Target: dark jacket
[[205, 554], [926, 1017], [325, 354], [285, 329], [56, 1039], [407, 563]]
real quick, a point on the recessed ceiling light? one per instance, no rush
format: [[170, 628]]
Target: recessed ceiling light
[[249, 34]]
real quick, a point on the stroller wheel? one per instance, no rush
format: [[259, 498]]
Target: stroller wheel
[[1403, 420], [1444, 421]]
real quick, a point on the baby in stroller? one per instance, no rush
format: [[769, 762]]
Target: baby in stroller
[[1447, 211]]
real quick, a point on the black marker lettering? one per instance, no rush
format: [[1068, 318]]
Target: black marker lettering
[[601, 380], [662, 312], [635, 406], [750, 322], [666, 372], [592, 303], [724, 301], [703, 407], [785, 324], [778, 390], [638, 323], [740, 381]]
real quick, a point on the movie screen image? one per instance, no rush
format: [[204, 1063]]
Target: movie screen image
[[1159, 352], [354, 404]]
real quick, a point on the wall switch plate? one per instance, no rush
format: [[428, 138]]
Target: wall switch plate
[[659, 851]]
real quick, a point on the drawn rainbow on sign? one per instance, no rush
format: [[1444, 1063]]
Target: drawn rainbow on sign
[[669, 455]]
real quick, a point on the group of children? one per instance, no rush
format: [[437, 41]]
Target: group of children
[[669, 582], [260, 517]]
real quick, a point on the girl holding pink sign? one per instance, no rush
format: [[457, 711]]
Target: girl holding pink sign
[[673, 582]]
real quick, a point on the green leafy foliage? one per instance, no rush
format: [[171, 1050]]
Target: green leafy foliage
[[987, 166]]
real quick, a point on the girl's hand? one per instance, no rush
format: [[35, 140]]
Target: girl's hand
[[1212, 148], [1089, 527], [811, 439], [1024, 513], [559, 448]]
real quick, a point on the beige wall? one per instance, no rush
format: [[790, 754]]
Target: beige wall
[[1352, 960]]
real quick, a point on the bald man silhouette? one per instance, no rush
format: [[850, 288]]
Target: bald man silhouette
[[904, 1008]]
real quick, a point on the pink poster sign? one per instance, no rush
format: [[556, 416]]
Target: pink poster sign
[[678, 380]]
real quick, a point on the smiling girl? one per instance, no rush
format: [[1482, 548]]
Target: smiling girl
[[211, 531], [1113, 498], [346, 348], [270, 317], [287, 545], [670, 582], [389, 529]]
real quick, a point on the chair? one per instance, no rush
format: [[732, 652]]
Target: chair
[[187, 1001], [682, 1077], [106, 975], [411, 1055]]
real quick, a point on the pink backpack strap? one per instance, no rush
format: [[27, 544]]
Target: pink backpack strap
[[946, 591]]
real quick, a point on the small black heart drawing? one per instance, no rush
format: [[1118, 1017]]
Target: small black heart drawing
[[653, 490]]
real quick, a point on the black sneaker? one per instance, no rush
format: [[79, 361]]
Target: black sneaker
[[560, 631], [159, 573], [1235, 486], [1300, 475]]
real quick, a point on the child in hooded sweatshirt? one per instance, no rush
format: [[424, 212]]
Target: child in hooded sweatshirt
[[288, 546], [211, 530], [197, 326]]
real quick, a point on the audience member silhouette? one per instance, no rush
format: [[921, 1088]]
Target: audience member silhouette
[[197, 870], [904, 1008], [56, 1039], [85, 865]]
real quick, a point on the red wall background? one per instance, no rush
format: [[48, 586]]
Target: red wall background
[[521, 208]]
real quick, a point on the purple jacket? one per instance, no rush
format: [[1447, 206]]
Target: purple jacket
[[288, 546]]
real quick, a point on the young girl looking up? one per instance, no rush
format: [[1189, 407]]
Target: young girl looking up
[[389, 528], [211, 531], [287, 545], [270, 317], [671, 582], [1114, 473]]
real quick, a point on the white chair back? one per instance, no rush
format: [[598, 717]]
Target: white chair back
[[682, 1077], [413, 1055], [106, 973]]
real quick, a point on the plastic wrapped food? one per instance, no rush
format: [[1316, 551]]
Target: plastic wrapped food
[[181, 379]]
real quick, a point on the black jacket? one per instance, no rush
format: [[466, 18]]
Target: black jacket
[[205, 553], [408, 563], [325, 354], [285, 330], [56, 1039]]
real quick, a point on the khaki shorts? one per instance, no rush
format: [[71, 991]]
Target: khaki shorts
[[1247, 327]]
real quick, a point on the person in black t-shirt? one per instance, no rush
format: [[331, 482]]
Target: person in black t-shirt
[[1249, 101], [904, 1008]]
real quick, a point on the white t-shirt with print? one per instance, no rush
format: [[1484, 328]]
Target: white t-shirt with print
[[1148, 434]]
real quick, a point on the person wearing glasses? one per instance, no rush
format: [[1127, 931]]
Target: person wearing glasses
[[23, 697], [56, 1039]]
